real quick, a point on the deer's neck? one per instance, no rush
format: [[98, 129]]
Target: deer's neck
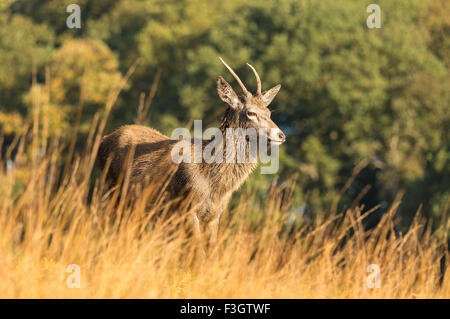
[[228, 176]]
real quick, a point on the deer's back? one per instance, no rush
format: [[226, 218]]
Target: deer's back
[[148, 147]]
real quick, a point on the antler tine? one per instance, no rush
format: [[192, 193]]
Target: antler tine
[[258, 80], [244, 89]]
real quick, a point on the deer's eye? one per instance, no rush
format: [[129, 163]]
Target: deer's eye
[[251, 114]]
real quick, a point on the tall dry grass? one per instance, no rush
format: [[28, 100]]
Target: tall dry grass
[[126, 251]]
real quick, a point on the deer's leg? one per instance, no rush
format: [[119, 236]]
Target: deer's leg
[[213, 226], [213, 230], [198, 236]]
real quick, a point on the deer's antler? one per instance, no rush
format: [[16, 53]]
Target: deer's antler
[[244, 89], [258, 80]]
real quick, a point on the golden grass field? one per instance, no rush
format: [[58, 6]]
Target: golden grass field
[[123, 252]]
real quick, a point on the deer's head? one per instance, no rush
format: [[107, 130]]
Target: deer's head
[[248, 110]]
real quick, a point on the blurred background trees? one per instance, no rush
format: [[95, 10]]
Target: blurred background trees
[[378, 98]]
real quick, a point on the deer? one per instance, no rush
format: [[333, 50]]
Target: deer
[[209, 185]]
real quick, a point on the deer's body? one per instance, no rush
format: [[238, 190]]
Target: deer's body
[[209, 185]]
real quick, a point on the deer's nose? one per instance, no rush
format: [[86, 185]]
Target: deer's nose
[[281, 136]]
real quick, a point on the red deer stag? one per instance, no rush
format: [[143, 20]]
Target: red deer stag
[[210, 185]]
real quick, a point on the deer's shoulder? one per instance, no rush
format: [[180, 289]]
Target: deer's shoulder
[[136, 134]]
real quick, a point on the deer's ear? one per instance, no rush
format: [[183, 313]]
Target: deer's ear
[[227, 94], [269, 95]]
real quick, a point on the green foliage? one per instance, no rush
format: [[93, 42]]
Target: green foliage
[[349, 93], [86, 64], [23, 45]]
